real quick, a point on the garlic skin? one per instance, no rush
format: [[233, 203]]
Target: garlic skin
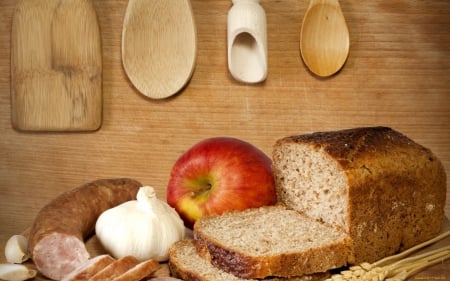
[[16, 249], [144, 228], [16, 272]]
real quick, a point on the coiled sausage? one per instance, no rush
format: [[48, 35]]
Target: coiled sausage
[[56, 240]]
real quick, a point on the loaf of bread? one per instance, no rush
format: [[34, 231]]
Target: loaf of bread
[[383, 189], [185, 263], [269, 241]]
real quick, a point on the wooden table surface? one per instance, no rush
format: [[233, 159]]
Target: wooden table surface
[[397, 74]]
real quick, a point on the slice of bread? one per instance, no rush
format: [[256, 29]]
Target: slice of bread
[[185, 263], [386, 191], [270, 241]]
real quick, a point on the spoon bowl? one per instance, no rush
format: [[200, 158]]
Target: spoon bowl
[[324, 37], [159, 46]]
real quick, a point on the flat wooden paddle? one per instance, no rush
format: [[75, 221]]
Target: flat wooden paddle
[[56, 66], [159, 46]]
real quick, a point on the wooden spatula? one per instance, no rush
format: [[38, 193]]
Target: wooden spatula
[[56, 66]]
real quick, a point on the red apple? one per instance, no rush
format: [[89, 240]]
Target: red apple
[[217, 175]]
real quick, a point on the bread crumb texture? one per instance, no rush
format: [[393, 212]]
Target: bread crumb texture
[[385, 190], [270, 241], [185, 263]]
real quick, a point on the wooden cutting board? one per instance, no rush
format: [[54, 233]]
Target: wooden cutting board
[[56, 66]]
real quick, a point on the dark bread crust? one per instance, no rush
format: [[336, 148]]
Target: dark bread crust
[[177, 272], [352, 146], [287, 265], [249, 266], [179, 269], [396, 187], [59, 229]]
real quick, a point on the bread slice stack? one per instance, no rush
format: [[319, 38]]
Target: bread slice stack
[[260, 243], [345, 197]]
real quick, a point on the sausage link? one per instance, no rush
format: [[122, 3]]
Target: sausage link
[[56, 240], [89, 268], [115, 269]]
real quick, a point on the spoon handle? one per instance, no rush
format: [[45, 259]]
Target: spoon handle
[[334, 3]]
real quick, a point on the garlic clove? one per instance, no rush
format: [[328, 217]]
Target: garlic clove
[[16, 272], [16, 249]]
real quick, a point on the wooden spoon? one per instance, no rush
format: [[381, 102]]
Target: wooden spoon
[[324, 38], [159, 46]]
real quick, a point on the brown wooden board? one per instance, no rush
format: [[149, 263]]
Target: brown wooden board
[[397, 74], [56, 66]]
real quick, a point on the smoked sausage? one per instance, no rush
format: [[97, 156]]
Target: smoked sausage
[[89, 268], [56, 240], [115, 269]]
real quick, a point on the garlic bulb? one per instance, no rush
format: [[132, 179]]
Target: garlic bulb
[[144, 228]]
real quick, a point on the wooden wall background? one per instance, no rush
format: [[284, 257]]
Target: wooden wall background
[[397, 75]]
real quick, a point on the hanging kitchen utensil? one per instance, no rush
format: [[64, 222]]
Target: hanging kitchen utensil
[[56, 66], [159, 46], [247, 41], [324, 39]]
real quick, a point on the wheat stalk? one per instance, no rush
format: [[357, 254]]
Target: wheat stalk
[[397, 267]]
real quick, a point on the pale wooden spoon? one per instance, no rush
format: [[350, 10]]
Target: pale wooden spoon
[[324, 38], [159, 46]]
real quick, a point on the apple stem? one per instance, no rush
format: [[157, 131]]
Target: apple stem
[[204, 188]]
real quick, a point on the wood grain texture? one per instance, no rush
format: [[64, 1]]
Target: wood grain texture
[[56, 66], [397, 74], [324, 37], [159, 46]]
